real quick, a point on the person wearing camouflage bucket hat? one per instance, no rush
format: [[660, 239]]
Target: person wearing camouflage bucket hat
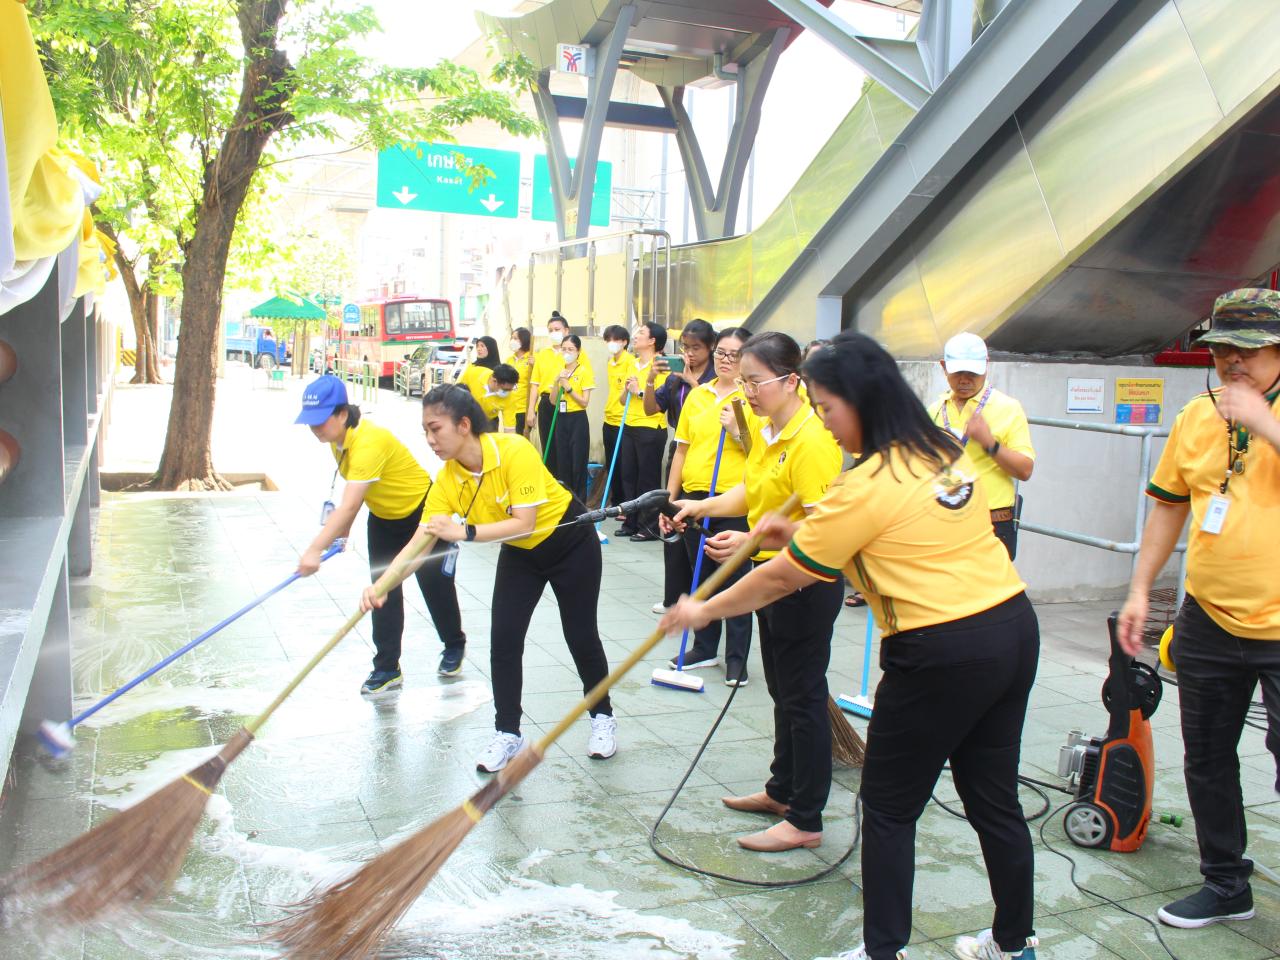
[[1221, 465]]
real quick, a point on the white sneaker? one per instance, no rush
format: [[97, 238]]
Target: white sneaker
[[691, 664], [984, 947], [603, 743], [659, 608], [860, 953], [501, 749]]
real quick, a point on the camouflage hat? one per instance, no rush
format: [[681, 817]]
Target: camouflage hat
[[1248, 318]]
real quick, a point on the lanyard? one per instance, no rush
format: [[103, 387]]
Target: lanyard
[[946, 416], [1237, 439]]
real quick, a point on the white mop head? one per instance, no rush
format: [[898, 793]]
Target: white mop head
[[55, 738], [677, 680]]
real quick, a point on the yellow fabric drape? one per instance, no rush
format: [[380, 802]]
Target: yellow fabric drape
[[46, 201]]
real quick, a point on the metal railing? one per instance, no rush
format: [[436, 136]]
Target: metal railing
[[1130, 547], [360, 375]]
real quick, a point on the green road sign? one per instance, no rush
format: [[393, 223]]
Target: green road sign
[[425, 177], [543, 205]]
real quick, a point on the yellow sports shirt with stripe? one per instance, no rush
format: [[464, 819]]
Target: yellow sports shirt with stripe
[[617, 372], [915, 540], [371, 454], [582, 378], [1008, 423], [699, 430], [518, 402], [547, 364], [511, 475], [1232, 573], [636, 416], [801, 458]]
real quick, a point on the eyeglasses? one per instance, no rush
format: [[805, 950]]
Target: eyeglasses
[[727, 354], [751, 388], [1223, 350]]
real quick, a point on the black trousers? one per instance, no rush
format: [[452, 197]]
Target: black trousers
[[520, 419], [737, 630], [641, 460], [386, 539], [609, 438], [677, 572], [1217, 674], [952, 692], [1007, 533], [573, 443], [795, 646], [570, 561], [546, 410]]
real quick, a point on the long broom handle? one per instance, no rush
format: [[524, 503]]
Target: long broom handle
[[551, 430], [395, 575], [866, 652], [335, 547], [750, 546], [702, 542], [617, 445], [744, 431]]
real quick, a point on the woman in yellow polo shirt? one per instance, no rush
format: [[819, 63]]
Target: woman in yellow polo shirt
[[379, 471], [522, 360], [620, 368], [572, 433], [909, 524], [790, 453], [707, 411], [497, 486]]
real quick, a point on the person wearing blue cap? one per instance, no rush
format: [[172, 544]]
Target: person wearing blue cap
[[380, 472]]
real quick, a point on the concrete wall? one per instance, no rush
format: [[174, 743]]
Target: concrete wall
[[1083, 482]]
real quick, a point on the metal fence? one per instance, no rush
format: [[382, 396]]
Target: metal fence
[[360, 375], [1131, 547]]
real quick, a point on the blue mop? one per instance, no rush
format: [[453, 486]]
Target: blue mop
[[56, 738], [677, 679], [613, 465], [860, 705]]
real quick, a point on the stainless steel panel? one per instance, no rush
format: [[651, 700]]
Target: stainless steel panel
[[898, 312], [1102, 140], [1239, 48]]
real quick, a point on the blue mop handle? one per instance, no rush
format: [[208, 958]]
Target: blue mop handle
[[613, 461], [335, 547], [866, 651], [702, 542]]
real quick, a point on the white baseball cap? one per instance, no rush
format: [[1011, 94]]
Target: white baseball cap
[[965, 352]]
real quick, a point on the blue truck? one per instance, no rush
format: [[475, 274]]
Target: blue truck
[[256, 346]]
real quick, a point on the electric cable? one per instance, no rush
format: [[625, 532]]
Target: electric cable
[[770, 884], [1036, 785]]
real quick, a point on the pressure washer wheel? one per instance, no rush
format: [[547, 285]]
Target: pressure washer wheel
[[1087, 825]]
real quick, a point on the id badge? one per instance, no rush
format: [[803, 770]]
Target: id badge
[[1216, 515], [326, 511], [450, 562], [564, 405]]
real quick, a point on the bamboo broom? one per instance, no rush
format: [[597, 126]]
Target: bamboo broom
[[847, 747], [132, 858], [352, 918]]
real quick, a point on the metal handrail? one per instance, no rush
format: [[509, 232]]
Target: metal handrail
[[1115, 546]]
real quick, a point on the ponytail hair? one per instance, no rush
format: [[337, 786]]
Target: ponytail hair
[[457, 402]]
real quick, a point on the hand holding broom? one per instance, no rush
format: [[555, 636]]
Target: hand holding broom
[[132, 858], [351, 918]]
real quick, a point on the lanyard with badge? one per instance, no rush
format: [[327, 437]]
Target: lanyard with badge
[[946, 417], [450, 562], [1237, 450], [327, 508]]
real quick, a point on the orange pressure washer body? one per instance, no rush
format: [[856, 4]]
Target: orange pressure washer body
[[1114, 775]]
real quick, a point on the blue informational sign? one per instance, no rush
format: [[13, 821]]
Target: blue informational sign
[[425, 176], [1137, 413], [351, 317]]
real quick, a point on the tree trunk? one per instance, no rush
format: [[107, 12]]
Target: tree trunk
[[187, 461], [144, 364], [151, 311]]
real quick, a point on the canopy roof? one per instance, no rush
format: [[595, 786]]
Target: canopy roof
[[288, 306]]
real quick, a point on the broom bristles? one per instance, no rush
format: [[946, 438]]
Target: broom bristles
[[128, 860], [350, 919], [848, 749]]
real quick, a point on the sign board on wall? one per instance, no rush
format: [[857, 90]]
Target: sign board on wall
[[1139, 400], [1085, 395], [575, 58], [351, 317]]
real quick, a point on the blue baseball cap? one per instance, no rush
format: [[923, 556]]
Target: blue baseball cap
[[320, 398]]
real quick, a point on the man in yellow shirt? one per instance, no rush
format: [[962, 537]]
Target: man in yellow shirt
[[991, 425], [1221, 466]]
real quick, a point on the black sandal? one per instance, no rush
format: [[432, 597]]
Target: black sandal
[[855, 599]]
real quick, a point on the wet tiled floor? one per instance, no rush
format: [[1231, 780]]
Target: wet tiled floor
[[562, 867]]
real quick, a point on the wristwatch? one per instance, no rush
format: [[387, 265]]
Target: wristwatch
[[471, 532], [992, 450]]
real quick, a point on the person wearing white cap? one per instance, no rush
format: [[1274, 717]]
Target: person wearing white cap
[[993, 427]]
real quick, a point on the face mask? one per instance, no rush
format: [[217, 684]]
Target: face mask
[[515, 346], [555, 336], [614, 348], [570, 359]]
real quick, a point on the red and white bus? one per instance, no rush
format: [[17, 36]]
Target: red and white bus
[[392, 329]]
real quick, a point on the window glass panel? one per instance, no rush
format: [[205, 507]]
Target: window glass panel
[[394, 323]]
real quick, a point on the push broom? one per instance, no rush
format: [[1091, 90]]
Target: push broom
[[57, 739], [847, 746], [132, 858], [677, 679], [351, 918], [613, 465]]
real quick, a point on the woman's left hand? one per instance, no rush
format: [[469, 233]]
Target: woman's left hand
[[687, 613], [722, 546], [776, 531], [446, 528]]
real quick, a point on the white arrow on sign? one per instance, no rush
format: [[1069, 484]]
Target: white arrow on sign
[[404, 196], [492, 203]]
